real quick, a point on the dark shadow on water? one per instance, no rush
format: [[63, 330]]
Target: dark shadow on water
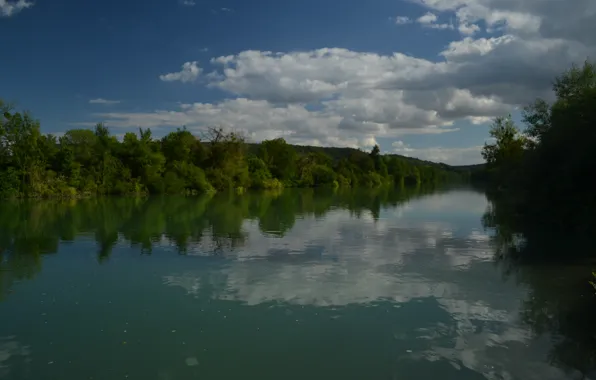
[[556, 268]]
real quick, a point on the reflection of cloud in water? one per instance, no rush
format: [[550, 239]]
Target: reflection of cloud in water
[[340, 260], [508, 354], [187, 281], [456, 201], [465, 257], [10, 350], [479, 236], [326, 286]]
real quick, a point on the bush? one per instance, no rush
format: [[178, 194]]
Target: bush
[[173, 184], [273, 184], [219, 180], [322, 175], [194, 177], [9, 183], [342, 181], [372, 179], [260, 178]]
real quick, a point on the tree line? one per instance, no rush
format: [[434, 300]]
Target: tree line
[[541, 172], [85, 162]]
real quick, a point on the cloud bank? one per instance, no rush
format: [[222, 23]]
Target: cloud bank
[[336, 96]]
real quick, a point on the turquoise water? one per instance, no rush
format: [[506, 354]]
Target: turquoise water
[[293, 285]]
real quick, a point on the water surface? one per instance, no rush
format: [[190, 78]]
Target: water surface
[[292, 285]]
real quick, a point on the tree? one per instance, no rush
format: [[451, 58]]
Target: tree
[[504, 156], [545, 170], [227, 159], [178, 146], [280, 158], [379, 162]]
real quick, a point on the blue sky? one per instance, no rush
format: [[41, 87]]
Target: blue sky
[[419, 77]]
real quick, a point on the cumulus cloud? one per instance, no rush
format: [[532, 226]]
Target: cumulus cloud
[[571, 20], [190, 72], [10, 8], [366, 89], [257, 119], [468, 29], [429, 20], [402, 20], [400, 147], [469, 47], [103, 101]]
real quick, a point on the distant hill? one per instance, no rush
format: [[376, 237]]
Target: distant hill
[[337, 153], [471, 168]]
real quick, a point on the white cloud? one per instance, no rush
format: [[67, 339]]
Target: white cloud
[[402, 20], [10, 8], [400, 147], [468, 29], [258, 119], [188, 3], [429, 20], [469, 47], [555, 18], [103, 101], [190, 73]]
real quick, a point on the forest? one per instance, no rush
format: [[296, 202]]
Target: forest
[[540, 173], [85, 162]]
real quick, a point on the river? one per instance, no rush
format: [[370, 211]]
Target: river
[[299, 284]]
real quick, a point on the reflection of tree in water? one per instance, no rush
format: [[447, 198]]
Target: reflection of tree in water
[[556, 269], [210, 225]]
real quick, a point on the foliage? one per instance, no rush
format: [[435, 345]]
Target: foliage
[[504, 156], [543, 169]]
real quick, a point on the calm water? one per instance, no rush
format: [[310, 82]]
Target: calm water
[[297, 285]]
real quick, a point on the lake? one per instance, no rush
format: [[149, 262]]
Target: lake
[[299, 284]]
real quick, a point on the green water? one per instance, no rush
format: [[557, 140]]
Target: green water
[[293, 285]]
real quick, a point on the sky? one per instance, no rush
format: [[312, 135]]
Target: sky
[[422, 78]]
